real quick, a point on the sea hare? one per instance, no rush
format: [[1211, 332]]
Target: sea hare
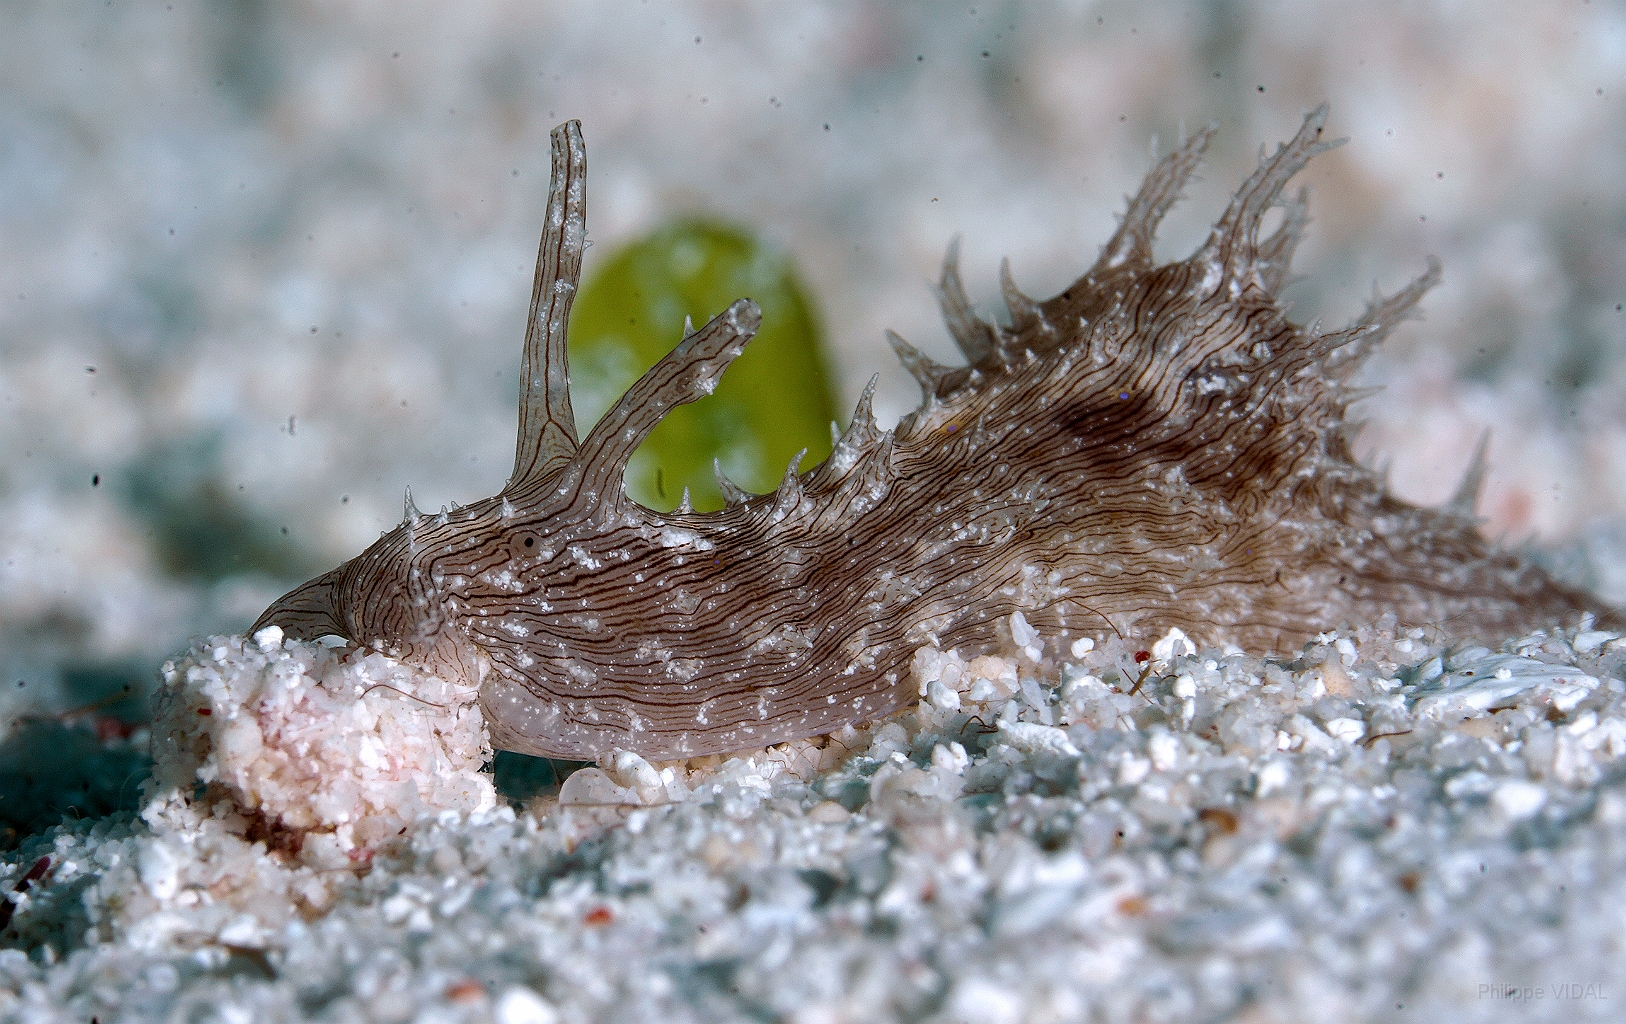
[[1158, 446]]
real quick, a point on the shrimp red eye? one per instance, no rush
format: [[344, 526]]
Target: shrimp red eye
[[1142, 656]]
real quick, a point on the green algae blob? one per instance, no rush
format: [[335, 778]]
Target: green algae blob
[[774, 400]]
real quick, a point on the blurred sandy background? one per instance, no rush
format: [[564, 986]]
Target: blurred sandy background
[[266, 264]]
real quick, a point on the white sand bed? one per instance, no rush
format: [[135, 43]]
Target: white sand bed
[[1379, 829], [270, 262]]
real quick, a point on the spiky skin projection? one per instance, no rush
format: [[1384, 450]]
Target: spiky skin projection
[[1156, 446]]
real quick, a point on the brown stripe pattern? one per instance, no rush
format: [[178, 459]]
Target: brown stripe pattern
[[1155, 447]]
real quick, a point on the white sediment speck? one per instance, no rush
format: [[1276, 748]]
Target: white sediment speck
[[1519, 799], [1590, 640], [1347, 729], [520, 1005], [1033, 738], [1164, 750], [159, 870], [269, 638], [1272, 776], [1173, 644], [1026, 637], [985, 1002]]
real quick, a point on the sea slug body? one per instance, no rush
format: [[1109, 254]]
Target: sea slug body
[[1156, 447]]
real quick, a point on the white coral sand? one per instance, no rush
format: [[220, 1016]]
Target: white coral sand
[[338, 749], [1377, 828]]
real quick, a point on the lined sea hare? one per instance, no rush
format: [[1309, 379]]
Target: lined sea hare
[[1158, 446]]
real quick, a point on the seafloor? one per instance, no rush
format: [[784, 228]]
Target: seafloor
[[264, 265], [1380, 828]]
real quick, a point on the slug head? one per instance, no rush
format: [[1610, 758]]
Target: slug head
[[388, 597]]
